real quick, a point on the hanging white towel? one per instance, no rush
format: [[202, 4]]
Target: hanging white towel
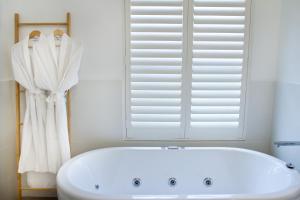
[[41, 180], [33, 146], [57, 71]]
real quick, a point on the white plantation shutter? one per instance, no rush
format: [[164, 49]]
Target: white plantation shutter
[[219, 59], [154, 69], [186, 68]]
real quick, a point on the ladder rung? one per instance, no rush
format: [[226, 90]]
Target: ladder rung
[[40, 189]]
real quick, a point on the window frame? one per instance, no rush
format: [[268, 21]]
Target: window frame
[[186, 134]]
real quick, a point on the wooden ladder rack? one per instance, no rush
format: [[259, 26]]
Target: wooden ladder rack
[[19, 124]]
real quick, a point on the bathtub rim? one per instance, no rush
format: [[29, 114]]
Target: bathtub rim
[[69, 189]]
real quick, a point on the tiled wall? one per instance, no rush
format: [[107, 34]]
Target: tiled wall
[[97, 100], [287, 112]]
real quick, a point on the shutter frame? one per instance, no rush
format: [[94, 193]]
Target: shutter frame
[[185, 132], [142, 51], [199, 126]]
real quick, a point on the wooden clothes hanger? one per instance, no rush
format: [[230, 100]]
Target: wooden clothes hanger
[[35, 34], [58, 33]]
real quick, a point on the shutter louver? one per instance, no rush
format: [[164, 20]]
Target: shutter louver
[[218, 61], [154, 72]]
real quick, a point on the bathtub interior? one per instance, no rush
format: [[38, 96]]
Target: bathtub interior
[[231, 172]]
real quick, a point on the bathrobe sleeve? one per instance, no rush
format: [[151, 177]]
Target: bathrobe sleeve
[[33, 150]]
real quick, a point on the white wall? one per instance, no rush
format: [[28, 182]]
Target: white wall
[[97, 100], [287, 115]]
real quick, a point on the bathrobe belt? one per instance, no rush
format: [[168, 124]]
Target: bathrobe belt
[[55, 97]]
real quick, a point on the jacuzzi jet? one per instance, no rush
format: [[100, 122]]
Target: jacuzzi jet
[[136, 182], [97, 187], [290, 166], [207, 181], [172, 181]]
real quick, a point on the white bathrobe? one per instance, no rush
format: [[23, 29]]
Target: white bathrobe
[[56, 71], [33, 146]]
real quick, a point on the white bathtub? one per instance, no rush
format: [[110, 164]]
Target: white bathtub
[[147, 173]]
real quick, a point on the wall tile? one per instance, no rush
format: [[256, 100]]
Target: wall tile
[[8, 173], [7, 114], [97, 111], [287, 114], [260, 104]]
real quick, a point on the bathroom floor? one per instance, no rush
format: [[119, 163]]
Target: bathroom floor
[[39, 198]]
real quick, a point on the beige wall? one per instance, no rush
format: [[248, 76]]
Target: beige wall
[[97, 100]]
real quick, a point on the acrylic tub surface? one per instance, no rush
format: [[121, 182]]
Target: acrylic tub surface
[[189, 173]]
